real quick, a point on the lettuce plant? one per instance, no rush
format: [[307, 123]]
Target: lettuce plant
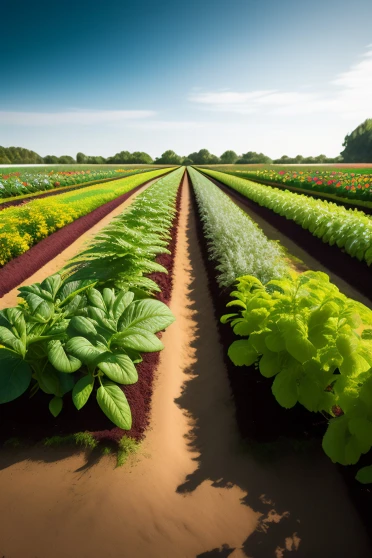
[[316, 344]]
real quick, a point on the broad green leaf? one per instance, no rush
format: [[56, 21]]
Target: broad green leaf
[[151, 315], [138, 339], [95, 299], [52, 284], [82, 326], [41, 310], [48, 380], [121, 302], [55, 406], [242, 353], [15, 376], [82, 349], [269, 364], [8, 339], [114, 404], [284, 387], [364, 475], [118, 367], [361, 428], [82, 390], [62, 360]]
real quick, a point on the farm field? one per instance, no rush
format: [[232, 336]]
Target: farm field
[[183, 334], [342, 184]]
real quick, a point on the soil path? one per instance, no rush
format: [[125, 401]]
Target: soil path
[[56, 264], [193, 491]]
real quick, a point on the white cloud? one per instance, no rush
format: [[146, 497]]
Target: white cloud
[[166, 125], [85, 117], [349, 95]]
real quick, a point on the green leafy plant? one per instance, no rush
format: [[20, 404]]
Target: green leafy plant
[[235, 242], [316, 344], [349, 229], [83, 331], [65, 328]]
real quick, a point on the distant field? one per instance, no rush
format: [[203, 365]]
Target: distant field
[[64, 168], [343, 167]]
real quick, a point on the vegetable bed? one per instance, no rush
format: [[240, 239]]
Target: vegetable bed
[[30, 418], [355, 272], [259, 416], [23, 227]]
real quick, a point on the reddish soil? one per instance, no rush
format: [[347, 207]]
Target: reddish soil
[[30, 418]]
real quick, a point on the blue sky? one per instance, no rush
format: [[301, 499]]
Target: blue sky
[[274, 76]]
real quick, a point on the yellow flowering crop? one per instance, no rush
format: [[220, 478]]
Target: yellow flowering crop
[[23, 226]]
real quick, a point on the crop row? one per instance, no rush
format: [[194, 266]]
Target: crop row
[[333, 224], [23, 183], [24, 226], [353, 186], [298, 329], [82, 331]]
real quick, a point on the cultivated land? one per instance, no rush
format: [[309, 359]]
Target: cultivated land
[[220, 426]]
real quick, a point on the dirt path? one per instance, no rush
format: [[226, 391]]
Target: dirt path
[[54, 265], [192, 488]]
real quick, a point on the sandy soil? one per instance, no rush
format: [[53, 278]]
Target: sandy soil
[[10, 299], [192, 489]]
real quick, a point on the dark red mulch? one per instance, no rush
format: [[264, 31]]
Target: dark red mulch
[[30, 418]]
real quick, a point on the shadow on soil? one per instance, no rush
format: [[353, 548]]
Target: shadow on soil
[[42, 454], [300, 499]]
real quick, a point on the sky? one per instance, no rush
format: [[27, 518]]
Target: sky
[[273, 76]]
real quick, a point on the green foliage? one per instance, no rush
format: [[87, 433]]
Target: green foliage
[[169, 158], [235, 242], [350, 229], [253, 158], [358, 144], [137, 157], [203, 157], [18, 155], [316, 345], [127, 446], [84, 439], [125, 250], [84, 335], [229, 157]]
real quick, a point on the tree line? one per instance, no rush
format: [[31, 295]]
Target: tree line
[[357, 149]]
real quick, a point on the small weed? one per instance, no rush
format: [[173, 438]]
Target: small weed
[[127, 446], [79, 438]]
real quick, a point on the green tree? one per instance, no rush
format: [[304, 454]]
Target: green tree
[[66, 160], [81, 158], [229, 157], [19, 155], [187, 161], [253, 158], [51, 160], [169, 157], [358, 144], [203, 157], [141, 158]]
